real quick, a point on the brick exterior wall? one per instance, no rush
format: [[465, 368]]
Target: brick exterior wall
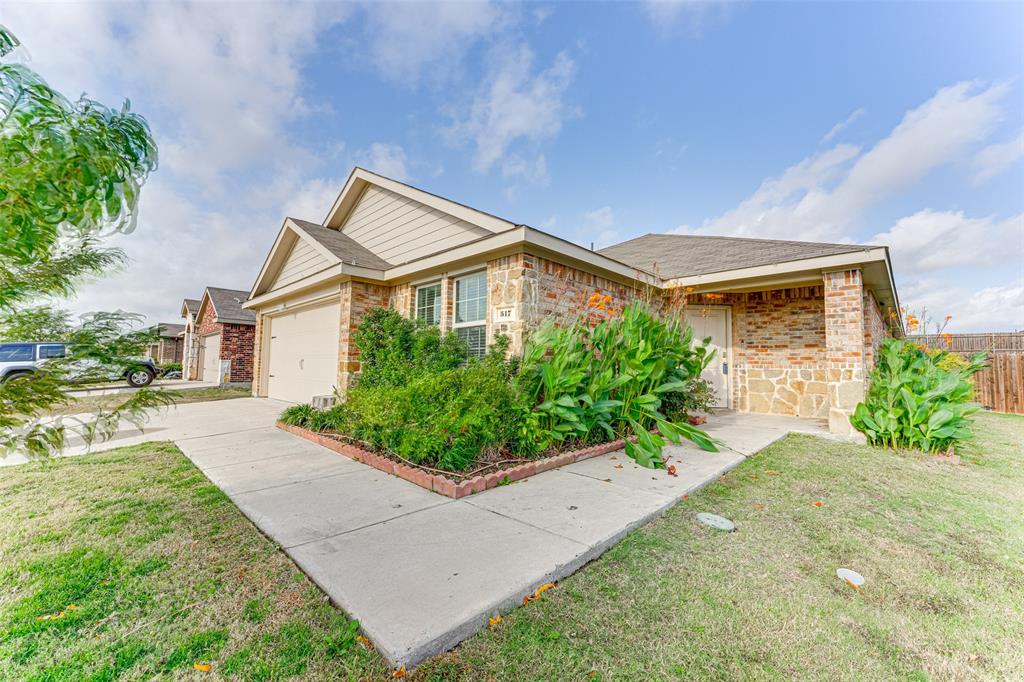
[[844, 346], [875, 329], [166, 350], [778, 349], [357, 298], [800, 351], [237, 344], [523, 289]]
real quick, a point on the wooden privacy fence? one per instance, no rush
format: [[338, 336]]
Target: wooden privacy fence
[[1000, 386]]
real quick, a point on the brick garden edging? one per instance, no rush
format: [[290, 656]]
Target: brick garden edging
[[443, 485]]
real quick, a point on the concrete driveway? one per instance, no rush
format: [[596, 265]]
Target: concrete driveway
[[422, 572]]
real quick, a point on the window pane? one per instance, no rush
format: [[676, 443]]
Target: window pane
[[16, 353], [471, 298], [428, 304], [475, 338], [51, 352]]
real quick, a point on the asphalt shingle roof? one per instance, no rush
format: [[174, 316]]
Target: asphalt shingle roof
[[228, 305], [343, 246], [192, 304], [170, 330], [683, 255]]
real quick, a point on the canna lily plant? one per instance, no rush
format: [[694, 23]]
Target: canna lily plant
[[606, 377], [917, 399]]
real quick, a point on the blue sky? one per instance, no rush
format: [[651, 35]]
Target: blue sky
[[885, 123]]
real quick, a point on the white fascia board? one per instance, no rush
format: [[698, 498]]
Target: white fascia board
[[257, 302], [821, 263]]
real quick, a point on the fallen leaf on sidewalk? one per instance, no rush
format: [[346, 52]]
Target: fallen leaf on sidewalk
[[367, 644], [671, 470], [618, 466], [494, 621], [399, 673]]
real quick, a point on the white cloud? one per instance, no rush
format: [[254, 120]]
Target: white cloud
[[843, 125], [991, 309], [532, 171], [417, 38], [818, 198], [996, 158], [694, 16], [217, 84], [514, 105], [599, 227], [932, 240], [387, 159]]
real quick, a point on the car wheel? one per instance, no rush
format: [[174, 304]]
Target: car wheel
[[137, 378]]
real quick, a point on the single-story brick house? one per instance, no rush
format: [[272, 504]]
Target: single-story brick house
[[219, 337], [797, 324], [170, 341]]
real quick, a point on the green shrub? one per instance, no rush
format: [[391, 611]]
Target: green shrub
[[913, 402], [392, 349], [297, 415], [594, 380], [444, 419], [171, 367], [698, 396]]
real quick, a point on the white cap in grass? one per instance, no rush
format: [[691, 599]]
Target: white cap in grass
[[716, 521], [850, 577]]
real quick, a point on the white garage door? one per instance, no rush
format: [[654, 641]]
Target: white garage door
[[303, 358], [211, 357]]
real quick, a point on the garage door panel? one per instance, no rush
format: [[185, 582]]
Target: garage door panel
[[211, 357], [304, 353]]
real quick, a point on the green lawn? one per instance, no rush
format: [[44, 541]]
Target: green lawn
[[166, 573], [94, 403]]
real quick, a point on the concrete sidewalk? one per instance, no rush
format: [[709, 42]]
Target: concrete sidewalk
[[422, 572]]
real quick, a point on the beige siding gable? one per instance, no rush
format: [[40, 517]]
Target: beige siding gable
[[303, 260], [400, 229]]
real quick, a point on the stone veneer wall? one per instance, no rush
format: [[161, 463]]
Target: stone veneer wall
[[844, 346], [523, 289], [778, 354], [357, 298]]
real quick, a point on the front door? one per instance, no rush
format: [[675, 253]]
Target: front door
[[713, 322]]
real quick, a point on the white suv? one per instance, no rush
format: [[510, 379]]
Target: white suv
[[22, 359]]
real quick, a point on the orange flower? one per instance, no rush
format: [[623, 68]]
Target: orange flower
[[202, 667]]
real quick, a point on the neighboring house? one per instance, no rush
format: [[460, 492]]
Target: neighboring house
[[169, 344], [190, 368], [797, 324], [224, 334]]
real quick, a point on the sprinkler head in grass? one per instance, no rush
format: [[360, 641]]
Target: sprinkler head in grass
[[716, 521], [851, 578]]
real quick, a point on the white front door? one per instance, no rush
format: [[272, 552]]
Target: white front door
[[713, 322], [210, 352]]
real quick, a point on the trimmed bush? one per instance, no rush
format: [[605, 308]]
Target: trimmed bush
[[392, 349]]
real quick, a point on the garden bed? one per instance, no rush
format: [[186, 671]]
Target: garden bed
[[451, 484]]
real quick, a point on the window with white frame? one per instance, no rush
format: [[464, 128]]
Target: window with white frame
[[428, 303], [471, 312]]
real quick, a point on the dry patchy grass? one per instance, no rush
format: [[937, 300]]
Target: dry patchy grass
[[95, 403]]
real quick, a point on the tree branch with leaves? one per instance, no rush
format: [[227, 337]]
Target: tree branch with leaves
[[71, 174]]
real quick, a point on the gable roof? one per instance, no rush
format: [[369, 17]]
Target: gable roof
[[189, 305], [227, 305], [343, 247], [684, 255], [360, 178]]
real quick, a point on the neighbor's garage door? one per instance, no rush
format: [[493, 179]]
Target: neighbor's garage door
[[303, 358], [211, 358]]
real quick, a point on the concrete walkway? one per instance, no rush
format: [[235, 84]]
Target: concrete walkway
[[422, 572]]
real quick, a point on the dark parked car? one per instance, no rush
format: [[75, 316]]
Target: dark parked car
[[22, 359]]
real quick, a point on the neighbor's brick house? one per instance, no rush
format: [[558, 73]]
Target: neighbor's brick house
[[169, 344], [796, 324], [224, 336]]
